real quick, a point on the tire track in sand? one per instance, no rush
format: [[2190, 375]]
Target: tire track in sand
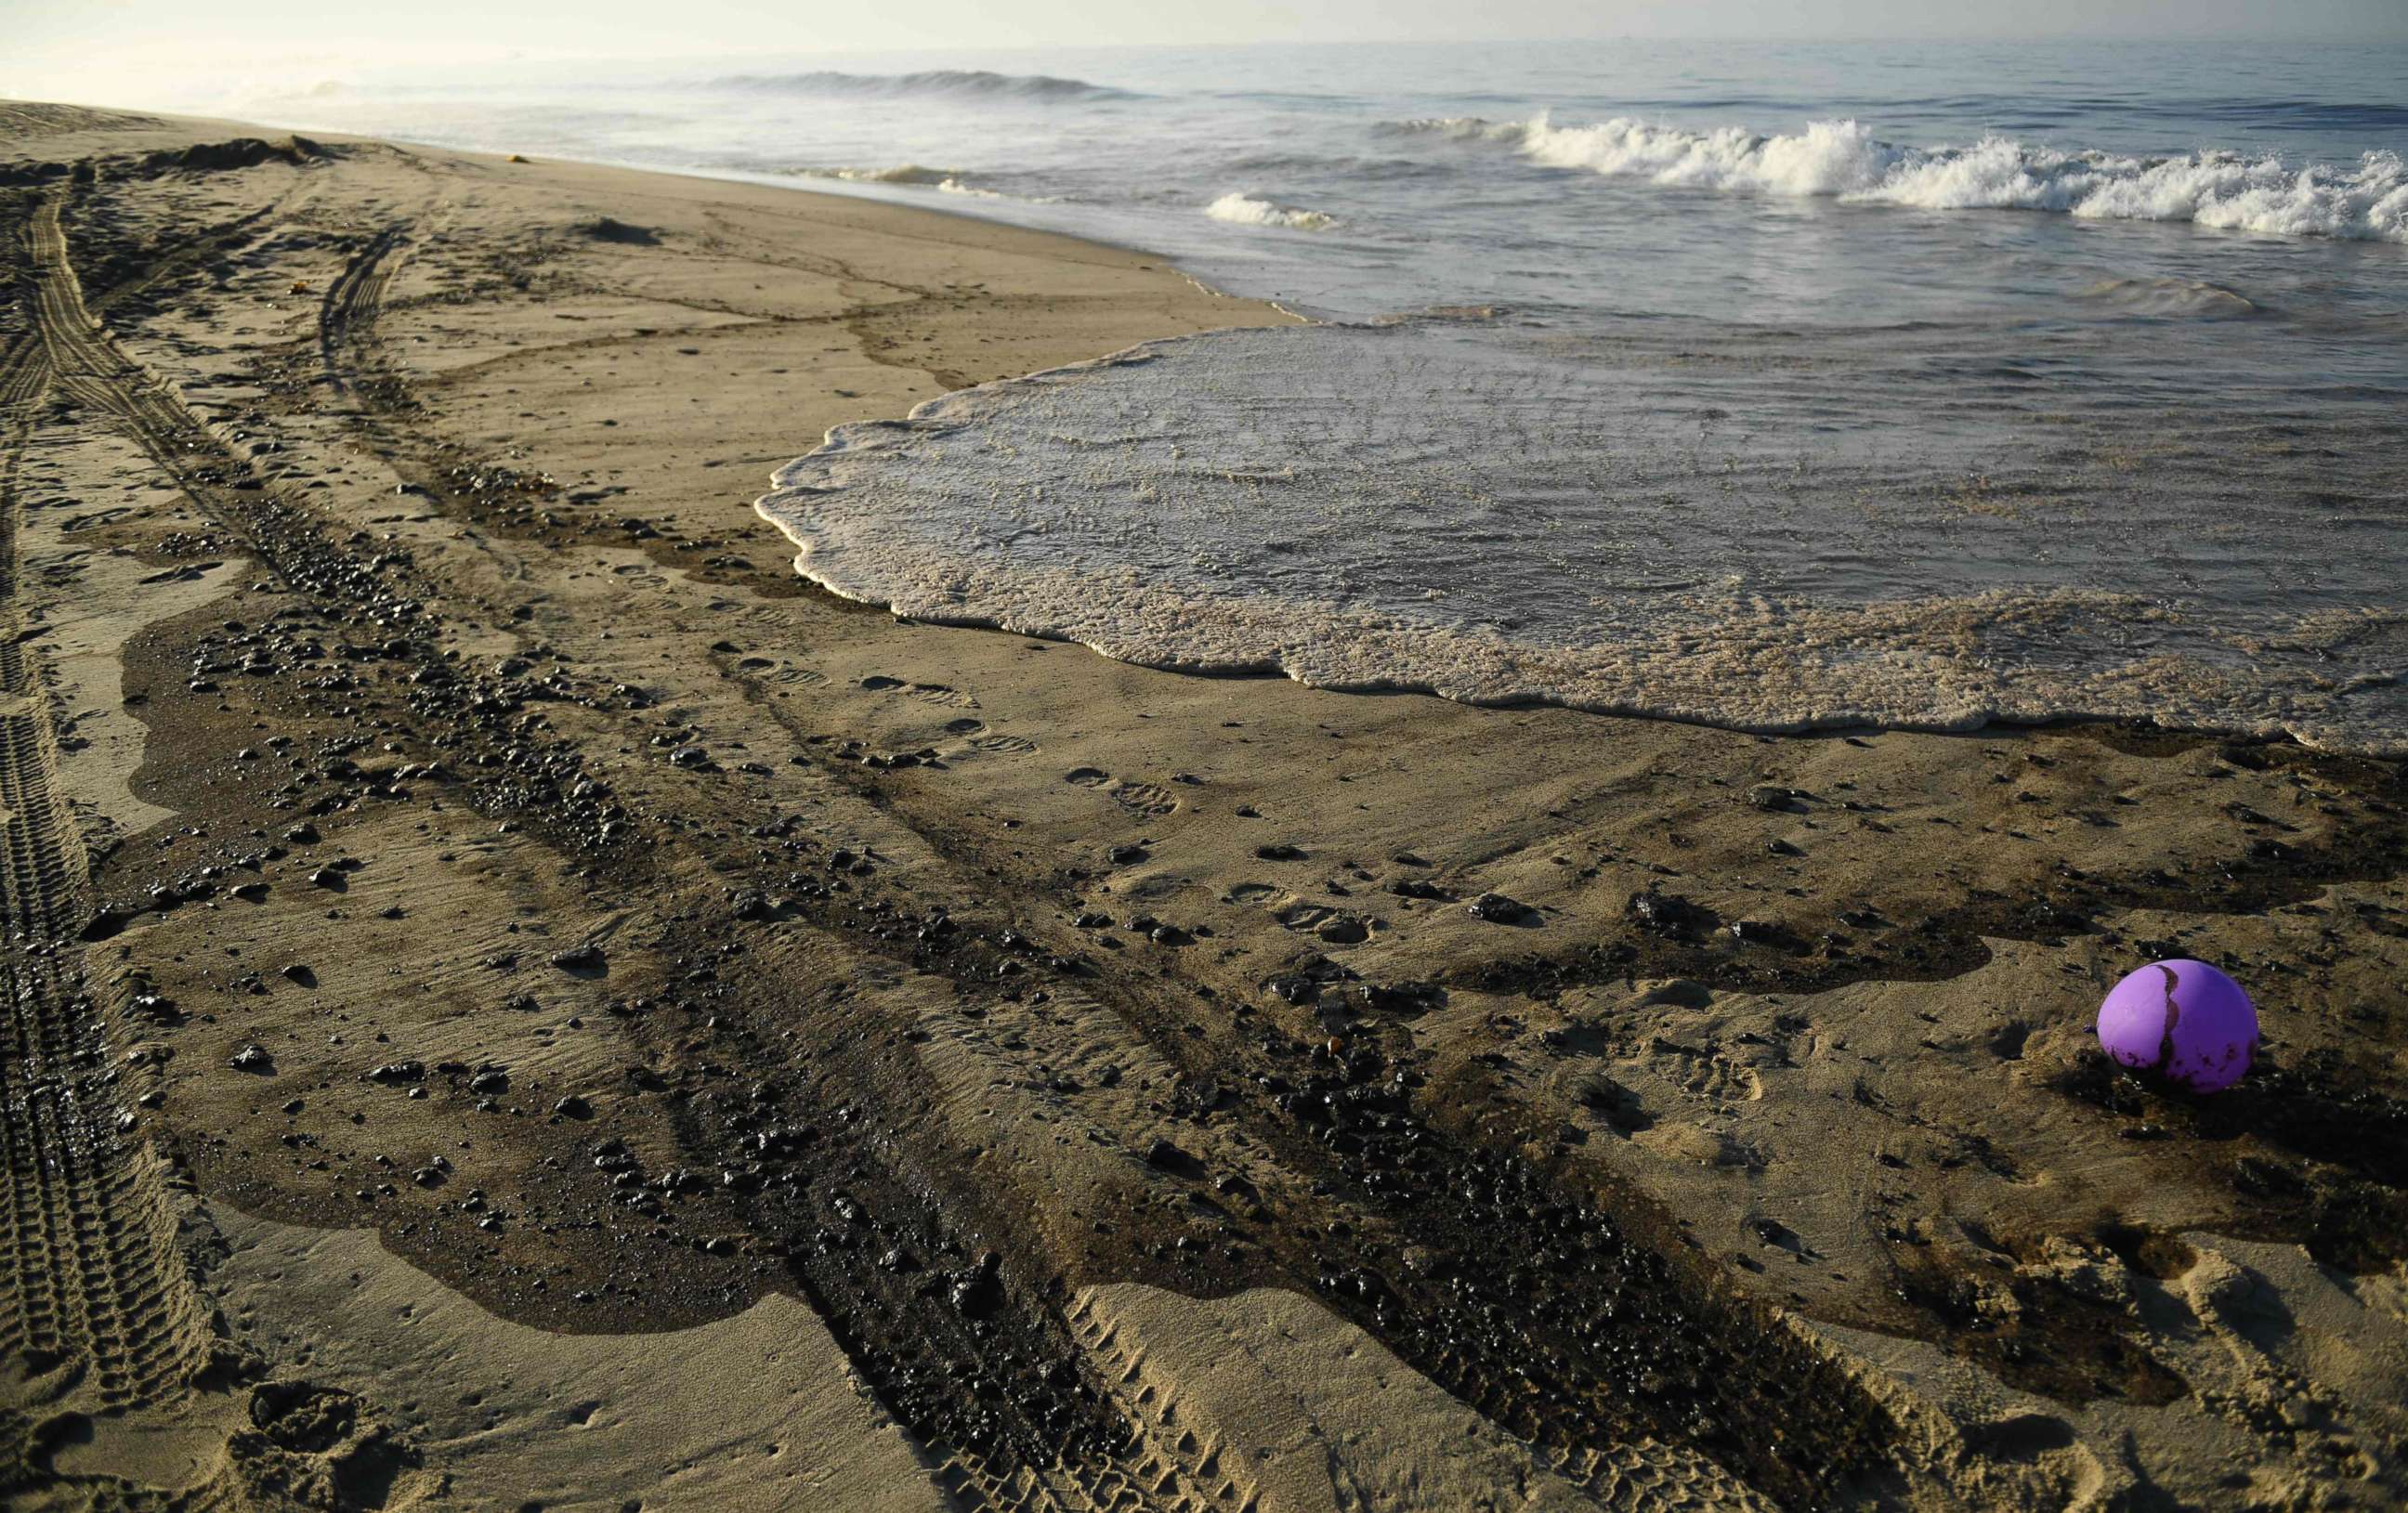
[[98, 1315], [354, 295]]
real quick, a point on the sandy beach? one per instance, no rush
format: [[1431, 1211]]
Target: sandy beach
[[523, 1000]]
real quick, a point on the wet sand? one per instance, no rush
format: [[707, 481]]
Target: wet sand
[[523, 1000]]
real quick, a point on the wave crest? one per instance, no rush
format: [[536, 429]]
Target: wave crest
[[960, 84], [944, 180], [1459, 128], [1246, 210], [1844, 160], [2166, 296], [906, 173]]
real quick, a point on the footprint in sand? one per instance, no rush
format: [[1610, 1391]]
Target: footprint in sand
[[975, 736], [938, 693], [1710, 1075], [1144, 798], [773, 670], [1150, 799]]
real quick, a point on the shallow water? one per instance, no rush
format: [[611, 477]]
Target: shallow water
[[1596, 528], [1915, 384]]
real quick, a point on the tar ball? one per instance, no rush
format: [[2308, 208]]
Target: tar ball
[[2183, 1020]]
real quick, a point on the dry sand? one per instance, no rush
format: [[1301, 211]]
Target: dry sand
[[523, 1003]]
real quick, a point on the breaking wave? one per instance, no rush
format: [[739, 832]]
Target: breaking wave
[[1842, 160], [906, 173], [944, 82], [1246, 210], [944, 181]]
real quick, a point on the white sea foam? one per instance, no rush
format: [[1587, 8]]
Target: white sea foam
[[1246, 210], [1844, 160]]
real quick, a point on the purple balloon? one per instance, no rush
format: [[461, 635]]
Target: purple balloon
[[2182, 1019]]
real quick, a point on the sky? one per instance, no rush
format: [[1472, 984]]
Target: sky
[[136, 51]]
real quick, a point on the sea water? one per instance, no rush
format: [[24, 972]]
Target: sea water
[[1779, 386]]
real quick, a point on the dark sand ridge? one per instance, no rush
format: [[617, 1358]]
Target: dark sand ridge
[[1088, 1083]]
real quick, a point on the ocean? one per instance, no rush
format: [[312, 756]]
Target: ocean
[[1783, 387]]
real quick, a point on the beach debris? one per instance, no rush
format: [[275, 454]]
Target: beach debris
[[605, 229], [1164, 1156], [2183, 1020], [978, 1291], [108, 921], [1669, 915], [1497, 908], [1766, 932]]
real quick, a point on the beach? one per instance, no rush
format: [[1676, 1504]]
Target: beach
[[524, 999]]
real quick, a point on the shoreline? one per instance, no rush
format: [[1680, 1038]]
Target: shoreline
[[2116, 726], [2104, 725], [653, 961]]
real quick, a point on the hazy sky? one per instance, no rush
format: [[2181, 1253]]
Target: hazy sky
[[123, 50]]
